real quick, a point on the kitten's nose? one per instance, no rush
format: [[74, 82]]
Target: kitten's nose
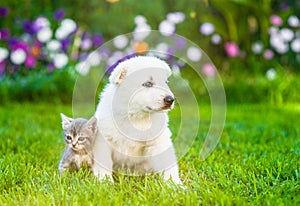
[[168, 100]]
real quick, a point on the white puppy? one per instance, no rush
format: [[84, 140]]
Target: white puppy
[[133, 121]]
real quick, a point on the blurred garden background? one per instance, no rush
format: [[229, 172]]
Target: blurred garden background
[[254, 46], [46, 45]]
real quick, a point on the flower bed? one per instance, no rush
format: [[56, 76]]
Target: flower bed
[[44, 47]]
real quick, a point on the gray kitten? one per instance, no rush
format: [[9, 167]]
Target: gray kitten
[[79, 135]]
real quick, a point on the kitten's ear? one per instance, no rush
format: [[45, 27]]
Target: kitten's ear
[[92, 124], [66, 121]]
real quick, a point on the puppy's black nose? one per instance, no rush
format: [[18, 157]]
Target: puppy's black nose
[[168, 100]]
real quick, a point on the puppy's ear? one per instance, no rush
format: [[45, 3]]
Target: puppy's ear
[[118, 75], [66, 121]]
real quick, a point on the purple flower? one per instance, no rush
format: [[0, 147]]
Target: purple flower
[[37, 43], [50, 67], [85, 35], [12, 41], [2, 68], [15, 44], [35, 26], [27, 27], [284, 6], [180, 43], [170, 53], [4, 34], [83, 56], [86, 44], [30, 62], [65, 43], [97, 40], [232, 49], [59, 14], [3, 11]]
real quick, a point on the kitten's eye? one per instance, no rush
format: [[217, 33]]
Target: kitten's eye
[[148, 84], [81, 139], [68, 137]]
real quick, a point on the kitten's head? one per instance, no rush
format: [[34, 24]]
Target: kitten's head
[[79, 133]]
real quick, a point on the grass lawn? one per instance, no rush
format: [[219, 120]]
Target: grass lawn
[[257, 162]]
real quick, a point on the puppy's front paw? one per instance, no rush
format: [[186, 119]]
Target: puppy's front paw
[[104, 176]]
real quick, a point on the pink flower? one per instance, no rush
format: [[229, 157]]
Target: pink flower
[[275, 20], [209, 70], [268, 54], [232, 49], [30, 62]]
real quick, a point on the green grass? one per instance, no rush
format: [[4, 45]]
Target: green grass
[[257, 162]]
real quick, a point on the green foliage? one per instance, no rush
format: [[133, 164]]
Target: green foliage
[[259, 89], [255, 163], [243, 88], [41, 85]]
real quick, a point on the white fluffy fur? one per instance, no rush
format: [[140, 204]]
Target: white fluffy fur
[[133, 122]]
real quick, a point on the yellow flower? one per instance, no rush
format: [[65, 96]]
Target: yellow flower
[[112, 1], [140, 47]]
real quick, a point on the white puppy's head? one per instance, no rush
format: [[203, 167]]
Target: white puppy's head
[[142, 85]]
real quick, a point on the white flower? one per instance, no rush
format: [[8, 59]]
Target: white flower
[[86, 44], [3, 54], [26, 37], [69, 25], [139, 19], [44, 34], [60, 60], [176, 70], [166, 28], [18, 56], [271, 74], [176, 17], [120, 41], [216, 39], [282, 48], [277, 42], [161, 50], [286, 34], [194, 54], [295, 45], [293, 21], [115, 57], [61, 33], [207, 28], [273, 30], [141, 32], [94, 59], [53, 45], [257, 47], [66, 28], [42, 22], [83, 68]]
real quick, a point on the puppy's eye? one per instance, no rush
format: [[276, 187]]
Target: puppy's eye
[[81, 139], [147, 84]]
